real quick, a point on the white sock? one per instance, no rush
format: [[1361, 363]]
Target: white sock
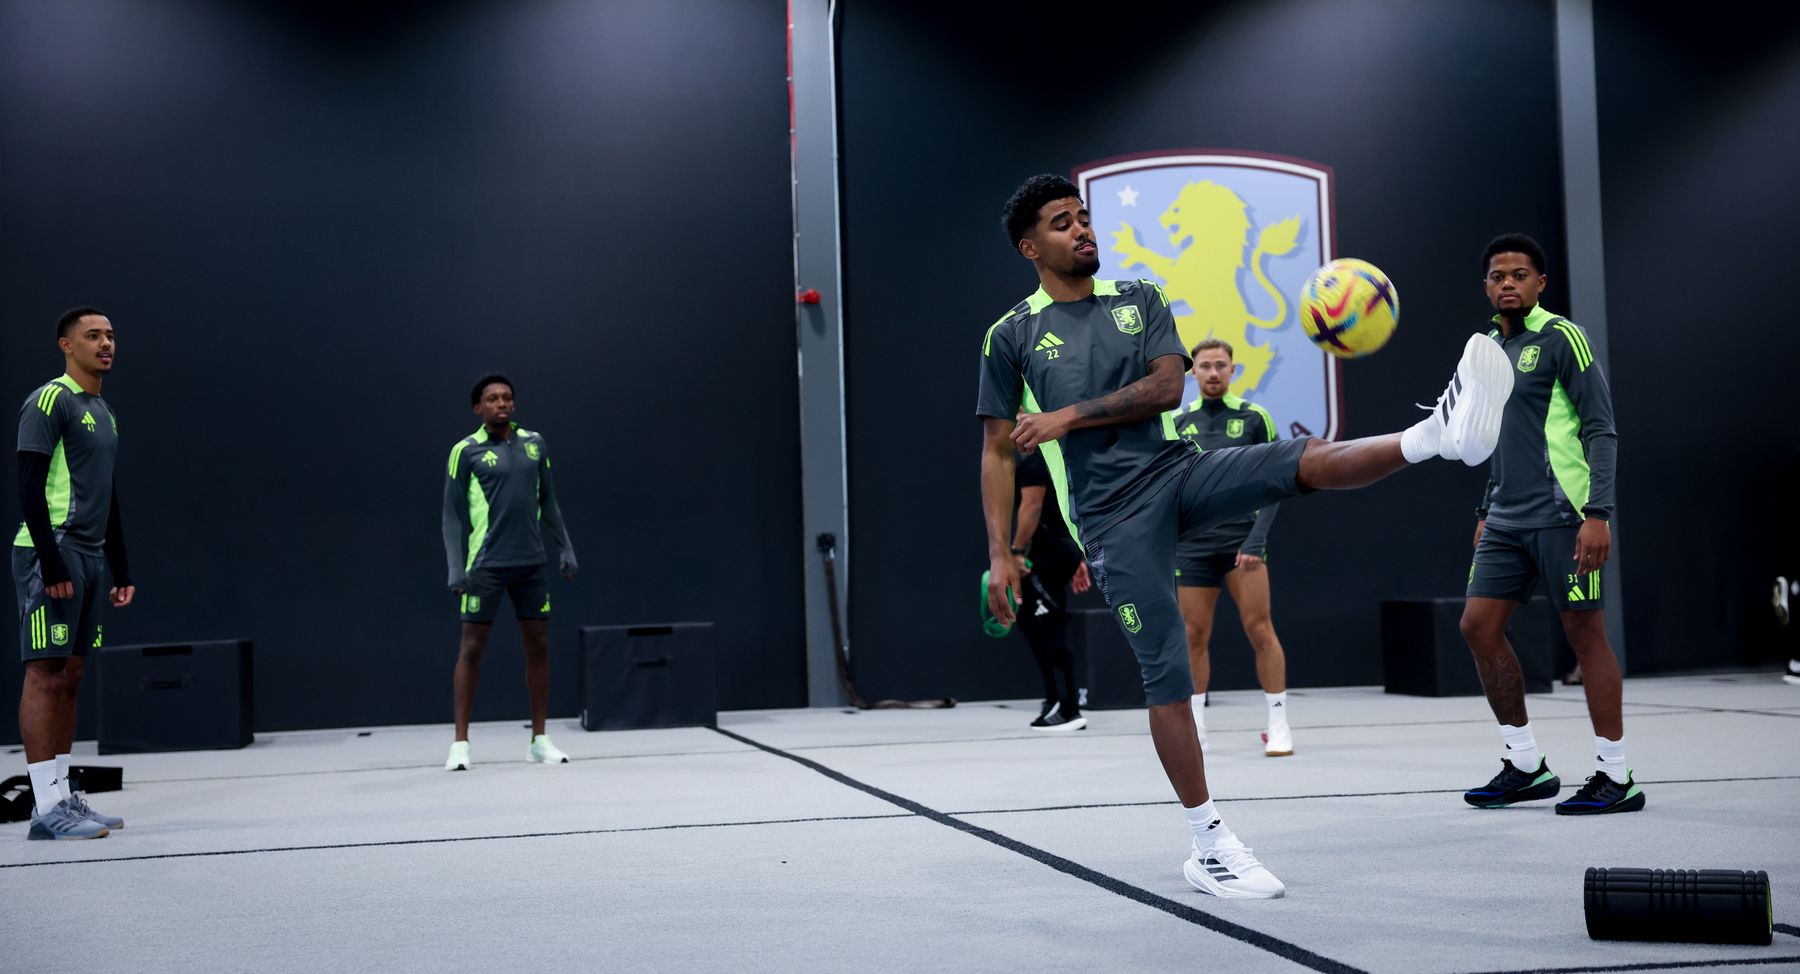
[[1420, 440], [1277, 707], [1521, 747], [1198, 702], [45, 792], [1208, 827], [1609, 756], [62, 775]]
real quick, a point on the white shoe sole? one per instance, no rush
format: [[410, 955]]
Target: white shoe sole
[[535, 759], [1198, 879], [1487, 381], [1079, 723]]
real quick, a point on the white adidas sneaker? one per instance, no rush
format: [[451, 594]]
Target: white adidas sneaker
[[1469, 411], [542, 751], [1278, 741], [1227, 869], [459, 757]]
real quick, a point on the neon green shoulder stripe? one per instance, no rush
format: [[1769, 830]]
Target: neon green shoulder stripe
[[1233, 401], [1584, 355], [1105, 287], [1268, 420]]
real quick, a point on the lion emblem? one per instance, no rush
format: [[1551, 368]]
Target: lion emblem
[[1209, 225]]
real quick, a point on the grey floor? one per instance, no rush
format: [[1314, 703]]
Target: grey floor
[[910, 840]]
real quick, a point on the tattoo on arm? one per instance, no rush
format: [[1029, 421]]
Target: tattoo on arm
[[1154, 393]]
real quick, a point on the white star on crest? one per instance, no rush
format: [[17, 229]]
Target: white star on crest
[[1128, 196]]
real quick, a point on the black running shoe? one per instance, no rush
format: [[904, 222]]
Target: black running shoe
[[1601, 795], [1058, 719], [1045, 709], [1512, 785]]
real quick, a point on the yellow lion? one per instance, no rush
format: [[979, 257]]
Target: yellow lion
[[1214, 222]]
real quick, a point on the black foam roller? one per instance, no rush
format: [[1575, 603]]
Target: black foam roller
[[1710, 906]]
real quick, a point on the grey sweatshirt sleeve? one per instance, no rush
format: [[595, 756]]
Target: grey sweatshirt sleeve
[[1588, 392], [456, 524], [552, 514]]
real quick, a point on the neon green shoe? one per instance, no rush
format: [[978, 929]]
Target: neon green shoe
[[459, 757], [542, 751]]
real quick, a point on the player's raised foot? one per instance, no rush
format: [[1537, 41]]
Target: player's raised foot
[[61, 822], [1512, 785], [1476, 398], [1278, 741], [79, 806], [1602, 795], [459, 757], [542, 751], [1792, 677], [1227, 868]]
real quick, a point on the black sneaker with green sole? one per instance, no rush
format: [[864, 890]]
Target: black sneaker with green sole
[[1602, 795], [1512, 785]]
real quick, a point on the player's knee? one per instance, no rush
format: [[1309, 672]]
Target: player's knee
[[1480, 631], [1261, 631], [46, 679], [1199, 635]]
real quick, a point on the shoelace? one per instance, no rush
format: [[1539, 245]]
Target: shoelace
[[1237, 857], [79, 806]]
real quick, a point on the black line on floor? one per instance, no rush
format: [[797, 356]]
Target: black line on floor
[[1233, 799], [1144, 731], [462, 838], [1255, 938], [1692, 707], [1655, 965], [1788, 929]]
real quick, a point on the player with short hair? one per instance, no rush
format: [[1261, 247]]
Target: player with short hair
[[1097, 367], [498, 501], [1232, 553], [1545, 513], [71, 534]]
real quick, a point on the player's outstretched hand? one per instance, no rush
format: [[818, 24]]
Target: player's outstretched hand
[[1003, 576], [1593, 545], [121, 597]]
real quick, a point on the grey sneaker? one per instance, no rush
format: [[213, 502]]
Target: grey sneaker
[[61, 822], [79, 806]]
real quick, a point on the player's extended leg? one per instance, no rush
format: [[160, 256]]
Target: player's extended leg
[[1355, 463], [535, 635], [73, 669]]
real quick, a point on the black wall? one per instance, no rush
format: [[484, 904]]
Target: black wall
[[1698, 139], [314, 225], [1442, 132]]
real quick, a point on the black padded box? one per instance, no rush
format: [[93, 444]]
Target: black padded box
[[636, 677], [174, 697]]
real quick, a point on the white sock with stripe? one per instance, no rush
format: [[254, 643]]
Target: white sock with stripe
[[62, 775], [44, 791], [1277, 708], [1207, 825], [1609, 756], [1198, 703], [1521, 747]]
